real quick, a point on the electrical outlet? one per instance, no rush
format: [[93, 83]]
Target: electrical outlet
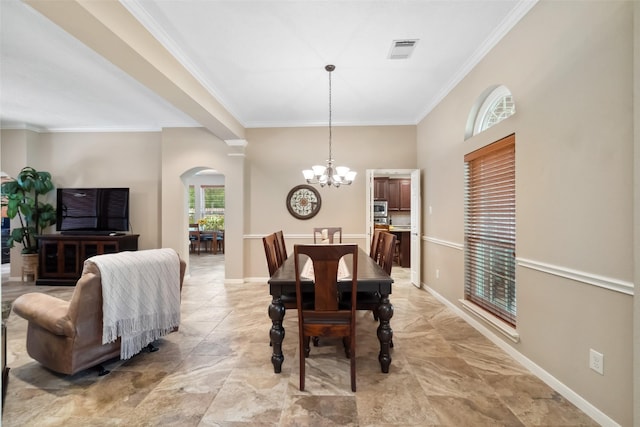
[[596, 361], [437, 273]]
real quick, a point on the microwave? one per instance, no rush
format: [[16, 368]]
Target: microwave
[[380, 220], [380, 208]]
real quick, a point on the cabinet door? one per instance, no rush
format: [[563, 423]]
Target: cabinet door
[[405, 195], [381, 188], [90, 249], [59, 259], [394, 195]]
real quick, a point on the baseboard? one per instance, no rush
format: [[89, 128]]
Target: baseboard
[[573, 397]]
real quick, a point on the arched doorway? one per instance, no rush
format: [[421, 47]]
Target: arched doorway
[[205, 212]]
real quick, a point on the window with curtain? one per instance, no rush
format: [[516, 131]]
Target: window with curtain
[[490, 228]]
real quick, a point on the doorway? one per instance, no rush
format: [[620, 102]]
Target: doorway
[[403, 199], [205, 209]]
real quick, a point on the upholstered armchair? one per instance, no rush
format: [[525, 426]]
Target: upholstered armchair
[[66, 336]]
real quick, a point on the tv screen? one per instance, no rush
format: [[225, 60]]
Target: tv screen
[[92, 210]]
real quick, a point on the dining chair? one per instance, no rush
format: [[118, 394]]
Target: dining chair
[[385, 251], [327, 235], [327, 318], [194, 238], [271, 252], [218, 245], [207, 239], [282, 248], [274, 261], [289, 300], [375, 240]]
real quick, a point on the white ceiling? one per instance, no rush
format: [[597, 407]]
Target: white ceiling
[[262, 60]]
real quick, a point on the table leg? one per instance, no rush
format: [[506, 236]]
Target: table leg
[[276, 334], [385, 333]]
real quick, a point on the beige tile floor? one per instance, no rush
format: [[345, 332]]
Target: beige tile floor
[[216, 371]]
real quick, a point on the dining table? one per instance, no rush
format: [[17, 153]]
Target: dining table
[[371, 279]]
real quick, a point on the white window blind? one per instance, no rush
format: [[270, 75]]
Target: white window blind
[[490, 228]]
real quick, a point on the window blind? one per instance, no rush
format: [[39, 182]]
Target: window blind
[[490, 228]]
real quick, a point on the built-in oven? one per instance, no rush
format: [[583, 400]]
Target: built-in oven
[[380, 209]]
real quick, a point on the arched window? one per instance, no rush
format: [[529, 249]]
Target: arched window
[[493, 106]]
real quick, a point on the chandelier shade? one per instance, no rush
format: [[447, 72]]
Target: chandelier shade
[[329, 175]]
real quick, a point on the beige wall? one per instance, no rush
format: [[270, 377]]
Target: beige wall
[[277, 158], [184, 152], [94, 160], [572, 84], [156, 165]]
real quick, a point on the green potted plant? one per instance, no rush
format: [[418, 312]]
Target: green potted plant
[[21, 197], [211, 223]]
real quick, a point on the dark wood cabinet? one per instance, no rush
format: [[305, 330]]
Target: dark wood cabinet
[[399, 195], [381, 188], [62, 256], [394, 195], [405, 195]]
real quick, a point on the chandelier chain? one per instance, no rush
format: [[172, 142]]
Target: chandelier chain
[[330, 132], [329, 174]]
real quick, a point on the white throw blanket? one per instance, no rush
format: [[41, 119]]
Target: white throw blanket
[[140, 297]]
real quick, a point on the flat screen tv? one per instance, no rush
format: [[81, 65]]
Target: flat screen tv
[[92, 210]]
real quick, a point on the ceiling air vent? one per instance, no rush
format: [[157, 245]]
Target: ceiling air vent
[[402, 49]]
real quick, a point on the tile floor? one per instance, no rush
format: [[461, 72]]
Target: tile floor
[[216, 371]]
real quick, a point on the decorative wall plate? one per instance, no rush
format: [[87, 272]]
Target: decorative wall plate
[[303, 201]]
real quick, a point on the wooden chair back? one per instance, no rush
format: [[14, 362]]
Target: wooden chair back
[[282, 247], [322, 234], [375, 240], [326, 318], [386, 250], [270, 243]]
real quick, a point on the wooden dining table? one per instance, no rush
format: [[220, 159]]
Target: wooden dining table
[[371, 278]]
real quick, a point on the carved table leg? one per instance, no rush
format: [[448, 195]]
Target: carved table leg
[[276, 313], [385, 333]]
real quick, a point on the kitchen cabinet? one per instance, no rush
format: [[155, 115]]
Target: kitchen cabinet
[[62, 256], [381, 188], [405, 194], [399, 195]]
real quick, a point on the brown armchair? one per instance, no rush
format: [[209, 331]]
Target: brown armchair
[[66, 336]]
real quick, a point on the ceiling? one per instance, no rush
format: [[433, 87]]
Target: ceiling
[[263, 61]]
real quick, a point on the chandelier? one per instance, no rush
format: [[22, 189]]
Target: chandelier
[[329, 175]]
